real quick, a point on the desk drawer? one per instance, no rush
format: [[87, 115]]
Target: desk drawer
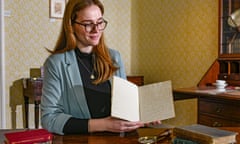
[[216, 122], [226, 110]]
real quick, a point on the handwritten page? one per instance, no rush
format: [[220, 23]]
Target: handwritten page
[[156, 101], [145, 103]]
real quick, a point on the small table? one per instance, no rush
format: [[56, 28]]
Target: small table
[[32, 89]]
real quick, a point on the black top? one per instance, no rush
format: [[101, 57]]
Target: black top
[[98, 96]]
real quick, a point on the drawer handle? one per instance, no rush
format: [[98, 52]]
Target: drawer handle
[[218, 110], [216, 124]]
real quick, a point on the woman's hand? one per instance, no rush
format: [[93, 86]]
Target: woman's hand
[[111, 124], [152, 123], [118, 125]]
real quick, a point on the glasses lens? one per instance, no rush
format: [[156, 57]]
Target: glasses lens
[[102, 25], [89, 27]]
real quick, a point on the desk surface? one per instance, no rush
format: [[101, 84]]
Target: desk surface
[[111, 139], [194, 92]]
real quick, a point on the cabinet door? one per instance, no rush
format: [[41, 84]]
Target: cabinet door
[[229, 28]]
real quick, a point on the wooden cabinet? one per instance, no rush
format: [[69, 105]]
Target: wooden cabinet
[[222, 109], [218, 112], [229, 29], [215, 110], [229, 43], [230, 71], [227, 65]]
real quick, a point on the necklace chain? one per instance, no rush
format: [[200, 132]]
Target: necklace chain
[[92, 76]]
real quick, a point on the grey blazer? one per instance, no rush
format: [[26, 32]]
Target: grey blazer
[[63, 95]]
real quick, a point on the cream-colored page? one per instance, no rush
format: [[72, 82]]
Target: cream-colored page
[[125, 103], [156, 102]]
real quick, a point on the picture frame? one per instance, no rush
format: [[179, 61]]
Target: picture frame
[[57, 8]]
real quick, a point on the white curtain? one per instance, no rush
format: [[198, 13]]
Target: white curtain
[[2, 70]]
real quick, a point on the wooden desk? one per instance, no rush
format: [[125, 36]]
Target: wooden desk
[[103, 138], [214, 108]]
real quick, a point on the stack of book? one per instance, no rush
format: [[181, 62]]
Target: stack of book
[[200, 134]]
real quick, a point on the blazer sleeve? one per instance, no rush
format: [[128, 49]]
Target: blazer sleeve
[[53, 117]]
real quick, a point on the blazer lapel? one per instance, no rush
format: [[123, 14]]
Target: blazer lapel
[[76, 82]]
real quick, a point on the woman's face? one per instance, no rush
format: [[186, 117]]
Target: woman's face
[[86, 27]]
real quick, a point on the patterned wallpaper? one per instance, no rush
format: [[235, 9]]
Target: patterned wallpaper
[[174, 40], [28, 30], [160, 39]]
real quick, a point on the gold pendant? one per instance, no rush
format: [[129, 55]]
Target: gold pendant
[[92, 77]]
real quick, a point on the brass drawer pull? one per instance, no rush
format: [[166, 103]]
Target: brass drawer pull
[[218, 110], [216, 124]]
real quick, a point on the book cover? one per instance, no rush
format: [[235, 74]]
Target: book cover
[[28, 136], [205, 134], [183, 141], [145, 103]]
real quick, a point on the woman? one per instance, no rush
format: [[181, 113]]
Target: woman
[[76, 87]]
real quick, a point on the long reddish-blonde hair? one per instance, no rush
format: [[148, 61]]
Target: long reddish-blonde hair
[[103, 64]]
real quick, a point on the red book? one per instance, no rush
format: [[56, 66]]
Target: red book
[[28, 136]]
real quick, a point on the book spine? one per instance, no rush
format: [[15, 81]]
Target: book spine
[[30, 141]]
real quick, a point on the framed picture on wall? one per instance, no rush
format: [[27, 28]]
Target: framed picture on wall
[[57, 8]]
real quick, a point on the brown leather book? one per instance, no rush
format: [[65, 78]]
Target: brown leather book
[[28, 136], [205, 134]]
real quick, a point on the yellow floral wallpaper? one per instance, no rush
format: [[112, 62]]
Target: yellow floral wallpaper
[[161, 39], [28, 31], [174, 40]]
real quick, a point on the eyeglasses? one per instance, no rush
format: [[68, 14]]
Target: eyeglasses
[[90, 26]]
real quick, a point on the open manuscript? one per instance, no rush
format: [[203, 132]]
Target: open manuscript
[[142, 103]]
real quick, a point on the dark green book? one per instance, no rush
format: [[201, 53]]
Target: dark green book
[[183, 141]]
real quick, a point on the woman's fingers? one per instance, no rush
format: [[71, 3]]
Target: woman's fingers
[[153, 123], [118, 125]]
